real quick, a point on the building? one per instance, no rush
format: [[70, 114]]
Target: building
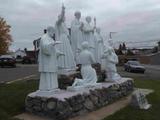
[[19, 54], [153, 59]]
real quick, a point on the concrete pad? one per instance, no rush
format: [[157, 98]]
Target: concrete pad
[[95, 115], [63, 94], [27, 116], [144, 91]]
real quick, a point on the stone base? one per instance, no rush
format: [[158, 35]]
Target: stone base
[[46, 93], [67, 79], [64, 104]]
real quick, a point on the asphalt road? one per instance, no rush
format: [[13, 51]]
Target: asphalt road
[[31, 72], [152, 73], [18, 73]]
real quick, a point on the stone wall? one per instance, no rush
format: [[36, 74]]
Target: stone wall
[[66, 104]]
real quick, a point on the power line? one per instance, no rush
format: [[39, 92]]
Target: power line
[[135, 42], [143, 46]]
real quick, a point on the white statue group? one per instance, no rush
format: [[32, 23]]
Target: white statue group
[[85, 46]]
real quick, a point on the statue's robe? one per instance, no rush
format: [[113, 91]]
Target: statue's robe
[[89, 36], [76, 37], [47, 64], [89, 76], [111, 60], [67, 61], [99, 49]]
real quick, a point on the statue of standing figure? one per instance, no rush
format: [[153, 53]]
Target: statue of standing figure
[[88, 34], [48, 55], [76, 34], [89, 76], [98, 45], [67, 61], [111, 59]]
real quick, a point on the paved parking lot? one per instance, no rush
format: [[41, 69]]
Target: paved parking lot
[[18, 73], [152, 73], [31, 72]]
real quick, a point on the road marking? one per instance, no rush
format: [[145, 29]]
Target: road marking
[[20, 79]]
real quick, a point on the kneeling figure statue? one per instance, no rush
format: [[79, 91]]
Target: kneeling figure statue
[[111, 59], [89, 76]]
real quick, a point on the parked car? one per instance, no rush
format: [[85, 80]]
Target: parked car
[[28, 60], [134, 66], [7, 60]]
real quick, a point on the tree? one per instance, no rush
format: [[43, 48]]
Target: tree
[[159, 43], [119, 51], [120, 47], [124, 46], [155, 49], [5, 37]]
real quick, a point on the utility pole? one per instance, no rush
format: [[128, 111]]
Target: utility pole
[[110, 34], [110, 38]]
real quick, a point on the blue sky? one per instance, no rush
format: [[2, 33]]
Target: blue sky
[[133, 20]]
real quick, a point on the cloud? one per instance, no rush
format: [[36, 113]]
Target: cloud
[[132, 19]]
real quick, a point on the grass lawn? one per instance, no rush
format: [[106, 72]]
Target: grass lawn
[[129, 113], [12, 99]]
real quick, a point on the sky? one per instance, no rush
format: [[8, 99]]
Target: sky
[[132, 20]]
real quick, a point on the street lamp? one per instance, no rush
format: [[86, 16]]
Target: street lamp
[[110, 34], [110, 38]]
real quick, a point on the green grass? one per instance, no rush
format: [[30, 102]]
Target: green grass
[[12, 101], [12, 98], [129, 113]]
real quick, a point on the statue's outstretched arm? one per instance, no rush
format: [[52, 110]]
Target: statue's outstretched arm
[[61, 17], [63, 11]]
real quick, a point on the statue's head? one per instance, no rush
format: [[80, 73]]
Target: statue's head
[[85, 45], [98, 30], [77, 14], [50, 31], [88, 19]]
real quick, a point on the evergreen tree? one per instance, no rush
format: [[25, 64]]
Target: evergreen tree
[[124, 46]]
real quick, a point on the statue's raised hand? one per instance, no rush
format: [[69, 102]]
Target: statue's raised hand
[[63, 8]]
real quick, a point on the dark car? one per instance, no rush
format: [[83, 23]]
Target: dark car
[[7, 60], [28, 60], [134, 66]]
